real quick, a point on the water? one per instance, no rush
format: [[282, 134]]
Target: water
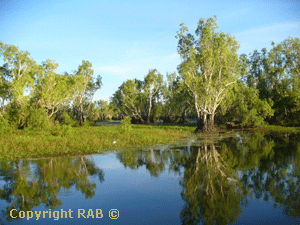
[[243, 178]]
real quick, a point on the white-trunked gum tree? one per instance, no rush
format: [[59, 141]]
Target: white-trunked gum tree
[[209, 67]]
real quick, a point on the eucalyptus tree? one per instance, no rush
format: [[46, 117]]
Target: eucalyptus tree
[[17, 78], [130, 99], [52, 90], [152, 87], [176, 98], [291, 52], [100, 111], [245, 107], [106, 110], [84, 88], [208, 68], [275, 74], [4, 90], [19, 71]]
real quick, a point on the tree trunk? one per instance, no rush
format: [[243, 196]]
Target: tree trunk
[[200, 125], [149, 111], [209, 123], [81, 120], [206, 123]]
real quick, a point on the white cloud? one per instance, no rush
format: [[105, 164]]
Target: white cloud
[[139, 67], [272, 30], [261, 37]]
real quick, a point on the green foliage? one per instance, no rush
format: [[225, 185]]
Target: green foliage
[[66, 119], [88, 123], [66, 130], [276, 74], [52, 90], [130, 99], [152, 88], [61, 130], [209, 67], [75, 123], [38, 120], [177, 99], [246, 107], [126, 125], [5, 127], [17, 115], [85, 87]]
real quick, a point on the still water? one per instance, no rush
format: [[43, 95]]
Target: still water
[[242, 178]]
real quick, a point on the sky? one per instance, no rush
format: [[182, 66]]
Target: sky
[[125, 39]]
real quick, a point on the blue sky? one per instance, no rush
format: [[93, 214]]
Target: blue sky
[[124, 39]]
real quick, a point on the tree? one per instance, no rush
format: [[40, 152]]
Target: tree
[[291, 51], [275, 74], [152, 86], [17, 79], [130, 99], [4, 90], [177, 100], [52, 90], [208, 68], [246, 107], [84, 88]]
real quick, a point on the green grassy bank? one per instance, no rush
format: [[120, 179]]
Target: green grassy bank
[[66, 140], [84, 140]]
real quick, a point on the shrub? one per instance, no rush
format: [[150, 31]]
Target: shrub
[[38, 120], [88, 123], [5, 127], [61, 130], [66, 119], [126, 124]]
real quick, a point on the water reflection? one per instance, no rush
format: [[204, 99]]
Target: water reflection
[[219, 176], [31, 183]]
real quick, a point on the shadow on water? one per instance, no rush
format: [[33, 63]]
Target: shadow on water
[[219, 176]]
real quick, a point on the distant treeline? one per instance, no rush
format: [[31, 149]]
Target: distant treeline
[[213, 84]]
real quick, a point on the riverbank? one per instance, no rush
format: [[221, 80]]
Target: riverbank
[[85, 140], [66, 140]]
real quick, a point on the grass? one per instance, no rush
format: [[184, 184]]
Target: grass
[[65, 140], [85, 140]]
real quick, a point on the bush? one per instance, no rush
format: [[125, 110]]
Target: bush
[[126, 124], [64, 130], [38, 120], [66, 119], [5, 127], [88, 123]]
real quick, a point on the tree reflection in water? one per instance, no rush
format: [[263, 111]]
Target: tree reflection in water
[[219, 176], [31, 183]]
